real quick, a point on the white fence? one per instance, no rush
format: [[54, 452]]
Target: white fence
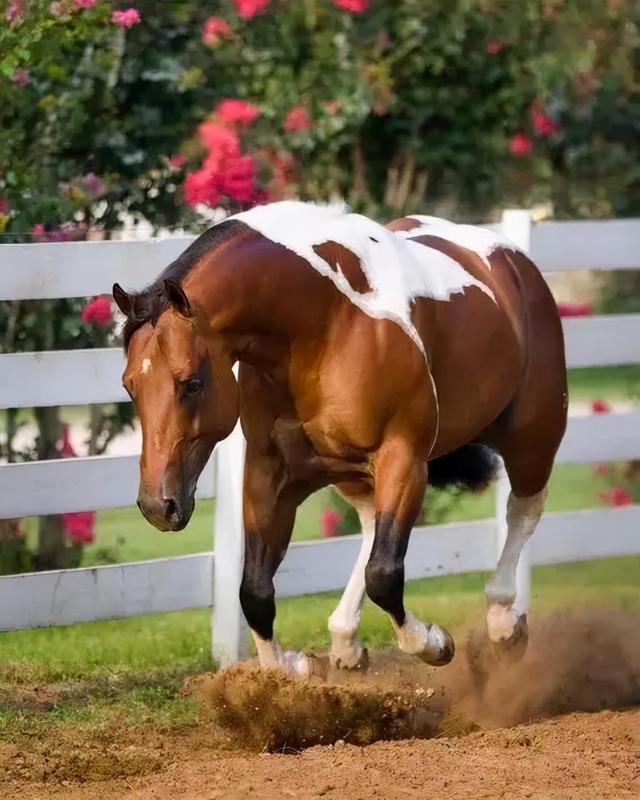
[[93, 376]]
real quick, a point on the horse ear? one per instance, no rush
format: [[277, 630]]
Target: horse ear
[[123, 300], [177, 298]]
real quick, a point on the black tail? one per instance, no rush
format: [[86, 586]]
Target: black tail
[[472, 466]]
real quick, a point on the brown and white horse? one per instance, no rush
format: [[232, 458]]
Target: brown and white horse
[[375, 359]]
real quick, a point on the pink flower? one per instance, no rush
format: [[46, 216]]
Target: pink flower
[[85, 3], [15, 11], [494, 47], [177, 161], [201, 187], [330, 522], [56, 9], [600, 470], [355, 6], [221, 142], [238, 177], [233, 110], [616, 497], [20, 77], [520, 145], [249, 8], [213, 30], [600, 407], [297, 119], [5, 205], [542, 123], [569, 309], [94, 185], [39, 232], [97, 312], [79, 526], [127, 18]]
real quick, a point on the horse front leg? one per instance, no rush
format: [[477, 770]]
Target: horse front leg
[[400, 483], [269, 513], [346, 651]]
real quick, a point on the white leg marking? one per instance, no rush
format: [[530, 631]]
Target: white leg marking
[[269, 653], [507, 597], [344, 622], [271, 656]]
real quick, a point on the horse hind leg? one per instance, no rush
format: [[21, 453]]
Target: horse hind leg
[[528, 443], [508, 592]]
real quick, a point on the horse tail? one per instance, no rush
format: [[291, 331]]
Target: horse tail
[[472, 466]]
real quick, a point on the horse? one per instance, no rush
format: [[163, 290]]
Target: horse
[[374, 359]]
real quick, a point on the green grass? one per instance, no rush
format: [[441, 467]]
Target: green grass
[[610, 383]]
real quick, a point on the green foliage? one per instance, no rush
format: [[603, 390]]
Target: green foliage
[[424, 97]]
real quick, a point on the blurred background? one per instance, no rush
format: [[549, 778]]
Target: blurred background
[[125, 120]]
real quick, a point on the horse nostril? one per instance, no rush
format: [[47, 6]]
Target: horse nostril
[[171, 512]]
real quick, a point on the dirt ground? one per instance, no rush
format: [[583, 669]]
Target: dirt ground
[[400, 730], [573, 757]]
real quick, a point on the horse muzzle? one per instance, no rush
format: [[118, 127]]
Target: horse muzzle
[[166, 513]]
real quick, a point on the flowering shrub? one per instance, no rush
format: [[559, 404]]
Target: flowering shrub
[[512, 107]]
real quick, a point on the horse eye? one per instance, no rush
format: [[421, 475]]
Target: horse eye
[[193, 386]]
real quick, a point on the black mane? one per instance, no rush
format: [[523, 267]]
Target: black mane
[[151, 301]]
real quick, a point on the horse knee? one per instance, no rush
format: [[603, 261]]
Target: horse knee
[[384, 580], [257, 599]]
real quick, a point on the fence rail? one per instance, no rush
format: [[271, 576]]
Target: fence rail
[[81, 377], [41, 599], [29, 272]]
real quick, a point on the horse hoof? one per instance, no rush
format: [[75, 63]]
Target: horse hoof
[[447, 653], [358, 660], [508, 633], [305, 665], [440, 654]]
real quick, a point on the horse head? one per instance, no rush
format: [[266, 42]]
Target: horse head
[[179, 376]]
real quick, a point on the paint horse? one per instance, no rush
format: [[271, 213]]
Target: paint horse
[[374, 359]]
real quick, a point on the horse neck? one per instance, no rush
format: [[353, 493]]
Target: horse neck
[[253, 289]]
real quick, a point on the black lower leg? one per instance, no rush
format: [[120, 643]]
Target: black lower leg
[[257, 596], [384, 574]]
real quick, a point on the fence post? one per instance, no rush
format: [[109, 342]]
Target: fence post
[[516, 224], [229, 631]]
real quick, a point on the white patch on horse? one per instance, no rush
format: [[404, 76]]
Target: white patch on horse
[[472, 237], [398, 270], [146, 366]]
